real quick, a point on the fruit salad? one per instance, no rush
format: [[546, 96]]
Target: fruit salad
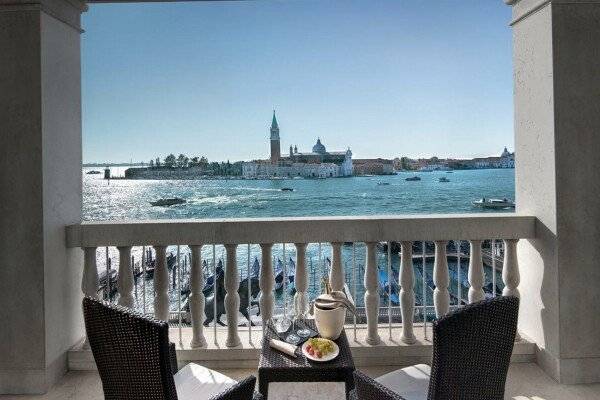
[[319, 347]]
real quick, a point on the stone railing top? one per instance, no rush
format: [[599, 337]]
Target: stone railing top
[[301, 230]]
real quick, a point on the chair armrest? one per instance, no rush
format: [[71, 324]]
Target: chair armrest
[[173, 357]]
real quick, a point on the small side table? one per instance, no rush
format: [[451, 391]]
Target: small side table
[[275, 366]]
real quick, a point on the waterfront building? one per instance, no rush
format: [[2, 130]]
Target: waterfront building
[[373, 166], [319, 163]]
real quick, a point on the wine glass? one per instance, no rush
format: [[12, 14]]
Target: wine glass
[[302, 308], [289, 311]]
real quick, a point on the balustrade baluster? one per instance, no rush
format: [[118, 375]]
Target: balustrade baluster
[[89, 279], [510, 271], [441, 296], [372, 294], [161, 284], [232, 297], [336, 274], [476, 274], [407, 293], [197, 300], [266, 284], [301, 279], [125, 278]]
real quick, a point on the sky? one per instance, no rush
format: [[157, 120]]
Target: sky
[[386, 78]]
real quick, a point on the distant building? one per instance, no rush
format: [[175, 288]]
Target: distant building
[[373, 166], [505, 160], [319, 163]]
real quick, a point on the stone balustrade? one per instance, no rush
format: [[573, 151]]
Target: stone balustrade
[[406, 230]]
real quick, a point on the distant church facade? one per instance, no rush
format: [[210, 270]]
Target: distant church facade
[[319, 163]]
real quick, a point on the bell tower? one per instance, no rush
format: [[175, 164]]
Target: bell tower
[[275, 145]]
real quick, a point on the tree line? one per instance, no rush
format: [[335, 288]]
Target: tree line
[[210, 168]]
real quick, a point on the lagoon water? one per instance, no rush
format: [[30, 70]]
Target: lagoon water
[[130, 200]]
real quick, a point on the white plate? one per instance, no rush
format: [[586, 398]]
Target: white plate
[[328, 357]]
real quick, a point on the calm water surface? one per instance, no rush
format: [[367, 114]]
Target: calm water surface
[[130, 199]]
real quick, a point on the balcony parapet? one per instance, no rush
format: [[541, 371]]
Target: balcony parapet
[[301, 230]]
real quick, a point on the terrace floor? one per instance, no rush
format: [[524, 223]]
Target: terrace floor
[[526, 381]]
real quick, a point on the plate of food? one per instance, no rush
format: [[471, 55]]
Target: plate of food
[[320, 349]]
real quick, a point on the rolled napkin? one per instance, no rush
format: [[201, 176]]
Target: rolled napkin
[[284, 347]]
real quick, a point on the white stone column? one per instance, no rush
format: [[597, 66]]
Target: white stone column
[[372, 294], [125, 278], [476, 274], [557, 120], [407, 293], [336, 275], [40, 138], [266, 283], [301, 279], [197, 300], [232, 297], [441, 279], [161, 285]]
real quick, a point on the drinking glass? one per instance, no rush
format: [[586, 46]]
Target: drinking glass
[[289, 312], [302, 310]]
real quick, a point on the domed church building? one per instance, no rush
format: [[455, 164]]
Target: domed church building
[[316, 164]]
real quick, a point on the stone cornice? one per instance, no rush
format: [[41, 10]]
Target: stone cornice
[[66, 11], [524, 8]]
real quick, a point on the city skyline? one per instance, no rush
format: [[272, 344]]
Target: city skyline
[[430, 80]]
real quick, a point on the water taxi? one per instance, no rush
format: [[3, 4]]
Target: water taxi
[[167, 202], [494, 203]]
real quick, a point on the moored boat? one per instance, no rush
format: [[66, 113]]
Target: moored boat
[[444, 179], [413, 178]]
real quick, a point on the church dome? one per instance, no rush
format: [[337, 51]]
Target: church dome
[[319, 148]]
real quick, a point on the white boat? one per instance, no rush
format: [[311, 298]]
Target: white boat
[[494, 203]]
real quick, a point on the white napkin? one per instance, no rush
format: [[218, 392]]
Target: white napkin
[[284, 347]]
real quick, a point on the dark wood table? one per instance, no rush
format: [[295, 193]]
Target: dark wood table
[[275, 366]]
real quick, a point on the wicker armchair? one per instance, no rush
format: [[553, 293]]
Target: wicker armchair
[[136, 361], [471, 354]]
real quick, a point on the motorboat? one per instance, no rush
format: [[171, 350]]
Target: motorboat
[[167, 202], [383, 183], [413, 179], [287, 189], [444, 179], [494, 203]]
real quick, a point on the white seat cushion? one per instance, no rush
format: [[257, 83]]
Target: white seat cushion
[[412, 383], [197, 382]]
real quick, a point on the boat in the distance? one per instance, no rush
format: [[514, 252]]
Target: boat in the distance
[[167, 202], [413, 178], [494, 203], [287, 189], [444, 179], [383, 183]]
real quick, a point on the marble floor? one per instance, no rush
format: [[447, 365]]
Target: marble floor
[[526, 381]]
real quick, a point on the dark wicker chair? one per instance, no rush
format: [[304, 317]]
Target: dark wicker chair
[[136, 361], [471, 354]]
